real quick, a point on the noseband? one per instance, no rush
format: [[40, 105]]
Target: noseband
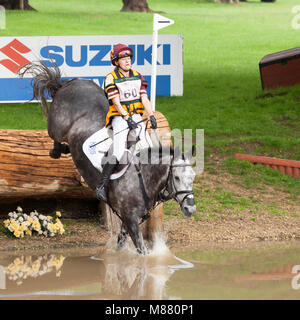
[[173, 193]]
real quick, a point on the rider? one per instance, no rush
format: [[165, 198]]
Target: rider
[[125, 89]]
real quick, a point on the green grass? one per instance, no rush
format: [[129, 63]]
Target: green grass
[[223, 45], [253, 176]]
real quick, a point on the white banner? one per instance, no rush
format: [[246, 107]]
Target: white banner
[[88, 57]]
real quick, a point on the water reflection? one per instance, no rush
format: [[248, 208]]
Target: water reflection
[[27, 266], [107, 275]]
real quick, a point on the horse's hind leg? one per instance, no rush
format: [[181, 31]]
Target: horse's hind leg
[[135, 233], [58, 149], [122, 237]]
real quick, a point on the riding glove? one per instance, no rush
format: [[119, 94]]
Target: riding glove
[[153, 122], [131, 124]]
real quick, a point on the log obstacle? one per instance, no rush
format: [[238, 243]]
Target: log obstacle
[[28, 172], [288, 167]]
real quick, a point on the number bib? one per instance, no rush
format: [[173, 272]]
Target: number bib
[[129, 89]]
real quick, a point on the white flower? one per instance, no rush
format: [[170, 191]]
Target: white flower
[[19, 209], [20, 219], [40, 232], [42, 217], [52, 234], [45, 233], [45, 223], [15, 216], [11, 214]]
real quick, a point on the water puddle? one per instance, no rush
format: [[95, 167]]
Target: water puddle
[[104, 273]]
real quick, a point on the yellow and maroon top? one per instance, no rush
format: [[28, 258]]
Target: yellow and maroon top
[[130, 89]]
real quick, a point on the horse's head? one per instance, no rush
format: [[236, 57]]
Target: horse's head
[[180, 183]]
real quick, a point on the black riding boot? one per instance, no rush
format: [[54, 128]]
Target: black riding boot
[[101, 190]]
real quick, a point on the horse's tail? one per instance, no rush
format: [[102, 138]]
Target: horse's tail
[[45, 80]]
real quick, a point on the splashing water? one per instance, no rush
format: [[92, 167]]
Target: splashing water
[[159, 245]]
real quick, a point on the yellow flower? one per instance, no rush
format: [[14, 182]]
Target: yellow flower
[[36, 225], [14, 224], [28, 232], [29, 219], [6, 223], [23, 227], [52, 227], [58, 214], [17, 233], [49, 217]]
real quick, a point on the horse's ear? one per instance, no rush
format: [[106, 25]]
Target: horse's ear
[[190, 153], [193, 150], [174, 152]]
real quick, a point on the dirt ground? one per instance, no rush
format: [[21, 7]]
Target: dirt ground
[[225, 231], [181, 234]]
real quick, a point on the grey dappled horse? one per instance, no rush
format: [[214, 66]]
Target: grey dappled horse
[[78, 110]]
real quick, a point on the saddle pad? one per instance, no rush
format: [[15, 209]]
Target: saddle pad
[[95, 148]]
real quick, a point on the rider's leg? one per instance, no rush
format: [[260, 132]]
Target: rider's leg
[[120, 136], [145, 140], [120, 128], [101, 190]]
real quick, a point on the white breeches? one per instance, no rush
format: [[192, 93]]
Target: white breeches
[[119, 126]]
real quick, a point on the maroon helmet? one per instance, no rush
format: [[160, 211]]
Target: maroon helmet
[[120, 51]]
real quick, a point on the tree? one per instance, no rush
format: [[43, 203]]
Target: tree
[[16, 5], [136, 5]]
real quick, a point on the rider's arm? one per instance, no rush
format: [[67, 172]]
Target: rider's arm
[[117, 104], [147, 104]]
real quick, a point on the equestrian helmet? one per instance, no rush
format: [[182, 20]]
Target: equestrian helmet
[[120, 51]]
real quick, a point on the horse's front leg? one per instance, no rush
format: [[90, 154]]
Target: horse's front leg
[[58, 149], [122, 237], [132, 226]]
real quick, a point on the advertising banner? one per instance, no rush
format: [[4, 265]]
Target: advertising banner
[[88, 57]]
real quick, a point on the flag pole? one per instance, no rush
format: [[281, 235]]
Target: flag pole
[[159, 22], [154, 63]]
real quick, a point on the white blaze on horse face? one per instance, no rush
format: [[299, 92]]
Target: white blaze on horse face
[[183, 177]]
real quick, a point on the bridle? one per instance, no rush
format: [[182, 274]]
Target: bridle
[[170, 191]]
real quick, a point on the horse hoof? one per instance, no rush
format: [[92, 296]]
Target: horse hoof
[[65, 149], [100, 194], [54, 153]]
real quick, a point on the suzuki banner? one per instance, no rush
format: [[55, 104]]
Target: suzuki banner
[[88, 57]]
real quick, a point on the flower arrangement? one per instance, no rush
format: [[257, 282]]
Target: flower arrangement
[[21, 224], [25, 267]]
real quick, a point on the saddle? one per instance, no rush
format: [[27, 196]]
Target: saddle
[[99, 146]]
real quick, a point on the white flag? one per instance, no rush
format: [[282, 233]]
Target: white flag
[[160, 22]]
